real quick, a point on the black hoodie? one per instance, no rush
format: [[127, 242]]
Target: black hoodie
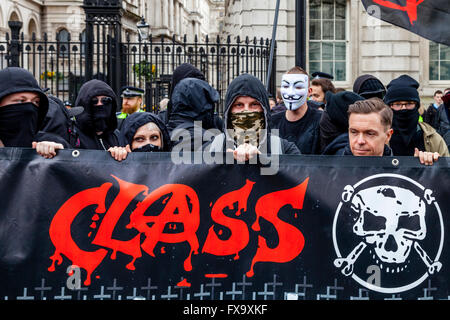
[[136, 120], [183, 71], [249, 85], [87, 137]]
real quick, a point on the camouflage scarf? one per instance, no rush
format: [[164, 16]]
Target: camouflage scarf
[[246, 127]]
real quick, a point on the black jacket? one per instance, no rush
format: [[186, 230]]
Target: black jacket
[[308, 139], [183, 71], [87, 137], [249, 85], [192, 100], [136, 120]]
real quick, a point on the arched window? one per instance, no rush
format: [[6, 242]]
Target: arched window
[[439, 61], [32, 28], [62, 38], [83, 42], [328, 37]]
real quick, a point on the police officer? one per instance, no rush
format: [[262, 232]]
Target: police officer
[[131, 103]]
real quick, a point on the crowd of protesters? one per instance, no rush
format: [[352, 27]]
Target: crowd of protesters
[[308, 115]]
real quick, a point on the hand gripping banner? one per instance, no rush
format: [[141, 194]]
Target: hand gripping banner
[[426, 18], [87, 227]]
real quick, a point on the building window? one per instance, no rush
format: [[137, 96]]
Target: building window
[[439, 61], [62, 37], [327, 37]]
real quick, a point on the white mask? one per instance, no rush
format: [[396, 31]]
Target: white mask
[[294, 90]]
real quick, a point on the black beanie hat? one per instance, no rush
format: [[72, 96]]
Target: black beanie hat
[[368, 85], [337, 107], [403, 88]]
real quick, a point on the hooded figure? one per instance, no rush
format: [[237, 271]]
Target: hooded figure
[[247, 85], [135, 121], [334, 121], [368, 86], [183, 71], [96, 126], [192, 100], [20, 122], [409, 133]]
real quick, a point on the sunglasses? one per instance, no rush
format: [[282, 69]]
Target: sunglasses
[[104, 100]]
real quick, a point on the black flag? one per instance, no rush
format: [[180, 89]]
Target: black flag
[[427, 18]]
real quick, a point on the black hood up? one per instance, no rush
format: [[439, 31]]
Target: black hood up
[[88, 91], [193, 100], [183, 71], [136, 120], [14, 80], [247, 85]]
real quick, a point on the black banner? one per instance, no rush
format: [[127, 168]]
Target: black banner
[[82, 226], [427, 18]]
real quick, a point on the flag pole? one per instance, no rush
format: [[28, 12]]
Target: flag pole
[[272, 44]]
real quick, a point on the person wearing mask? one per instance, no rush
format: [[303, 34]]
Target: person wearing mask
[[370, 131], [403, 98], [96, 126], [23, 108], [141, 132], [247, 123], [299, 123]]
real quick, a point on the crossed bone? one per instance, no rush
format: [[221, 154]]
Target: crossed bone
[[349, 261]]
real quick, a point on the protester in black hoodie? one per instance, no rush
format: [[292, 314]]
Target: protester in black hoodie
[[23, 107], [334, 122], [96, 126], [142, 132], [247, 122], [192, 112]]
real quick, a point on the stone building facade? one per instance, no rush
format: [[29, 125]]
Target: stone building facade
[[165, 17], [343, 40]]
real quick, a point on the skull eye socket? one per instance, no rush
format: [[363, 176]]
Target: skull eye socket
[[373, 222], [407, 222]]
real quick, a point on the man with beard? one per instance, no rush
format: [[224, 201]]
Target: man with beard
[[96, 126], [131, 103], [23, 107], [299, 123], [410, 134]]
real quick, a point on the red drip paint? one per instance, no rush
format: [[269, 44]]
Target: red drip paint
[[239, 237], [291, 240], [183, 283], [216, 275], [96, 217], [93, 225]]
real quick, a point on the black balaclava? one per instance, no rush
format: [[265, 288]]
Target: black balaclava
[[148, 148], [100, 116], [18, 124], [404, 122]]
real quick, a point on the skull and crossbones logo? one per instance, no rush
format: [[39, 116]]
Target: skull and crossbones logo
[[390, 222]]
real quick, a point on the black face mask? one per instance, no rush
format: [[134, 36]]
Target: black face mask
[[148, 148], [100, 115], [18, 124], [404, 124]]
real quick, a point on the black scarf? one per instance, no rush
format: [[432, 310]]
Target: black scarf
[[405, 137], [18, 124], [148, 148]]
